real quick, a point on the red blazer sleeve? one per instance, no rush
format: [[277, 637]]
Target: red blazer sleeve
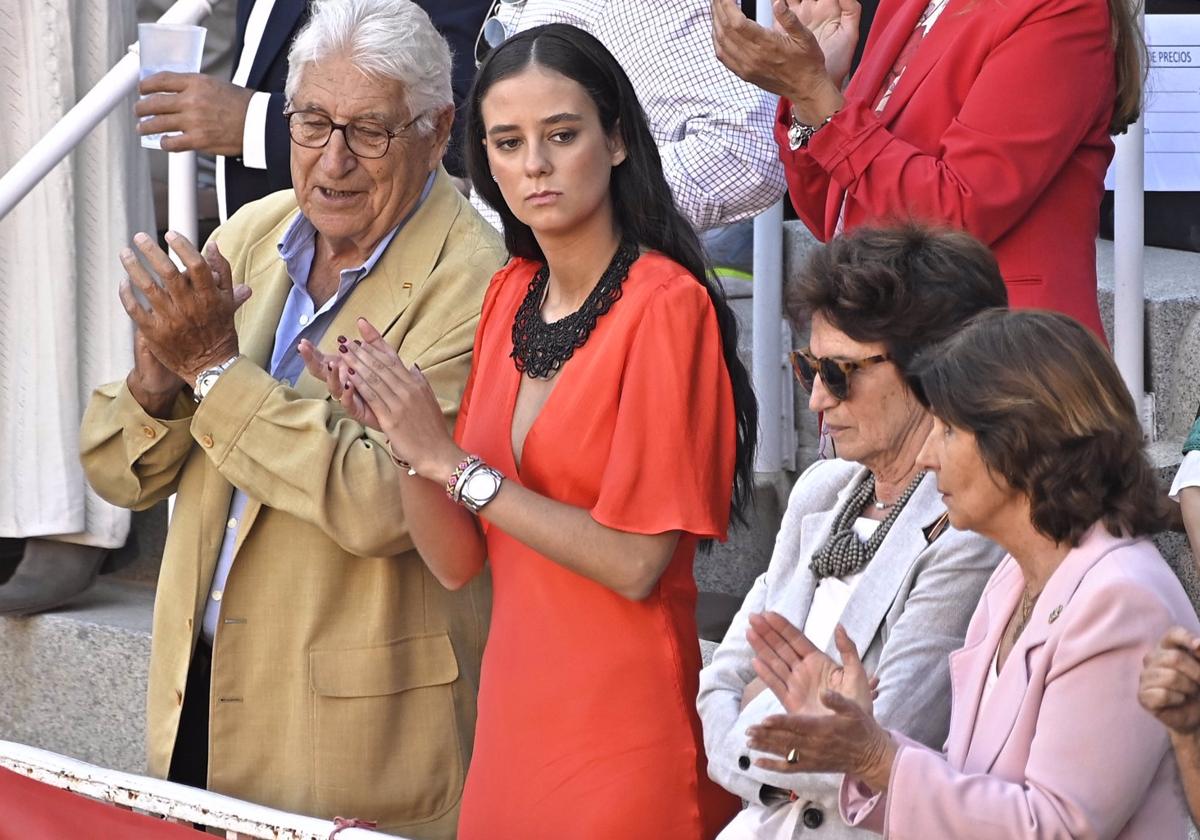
[[1041, 89]]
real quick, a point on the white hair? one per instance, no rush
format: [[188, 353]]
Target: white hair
[[387, 39]]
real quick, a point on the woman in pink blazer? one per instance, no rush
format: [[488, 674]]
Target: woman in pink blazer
[[1037, 446], [992, 116]]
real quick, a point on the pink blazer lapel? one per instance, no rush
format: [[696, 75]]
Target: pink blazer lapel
[[969, 664], [994, 722]]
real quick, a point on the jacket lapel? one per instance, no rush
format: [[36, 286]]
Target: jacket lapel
[[275, 38], [935, 45], [882, 578], [257, 322], [970, 663], [258, 318], [995, 722], [882, 51]]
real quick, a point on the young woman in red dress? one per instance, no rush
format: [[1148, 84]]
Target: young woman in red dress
[[607, 429]]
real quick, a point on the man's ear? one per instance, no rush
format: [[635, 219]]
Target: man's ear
[[443, 121]]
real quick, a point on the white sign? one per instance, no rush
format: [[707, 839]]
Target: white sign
[[1172, 107]]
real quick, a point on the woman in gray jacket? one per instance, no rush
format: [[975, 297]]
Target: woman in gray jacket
[[865, 542]]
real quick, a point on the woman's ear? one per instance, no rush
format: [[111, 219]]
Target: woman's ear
[[616, 145]]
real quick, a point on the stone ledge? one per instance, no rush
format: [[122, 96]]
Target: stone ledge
[[732, 566], [1172, 330], [75, 679]]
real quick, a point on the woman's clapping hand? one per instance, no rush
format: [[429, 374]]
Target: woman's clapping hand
[[798, 672], [829, 726], [804, 57], [381, 391], [834, 23], [331, 369]]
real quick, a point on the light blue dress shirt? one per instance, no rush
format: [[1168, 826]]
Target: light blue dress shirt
[[300, 319]]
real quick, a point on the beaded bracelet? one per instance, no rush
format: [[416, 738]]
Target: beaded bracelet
[[452, 481]]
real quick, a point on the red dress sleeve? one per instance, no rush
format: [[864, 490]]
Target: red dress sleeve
[[671, 464]]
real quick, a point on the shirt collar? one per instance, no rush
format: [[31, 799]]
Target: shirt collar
[[298, 246]]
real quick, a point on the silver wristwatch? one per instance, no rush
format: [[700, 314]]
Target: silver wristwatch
[[799, 134], [478, 486], [209, 376]]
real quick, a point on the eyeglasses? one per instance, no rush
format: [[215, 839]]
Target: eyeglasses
[[493, 33], [835, 373], [364, 138]]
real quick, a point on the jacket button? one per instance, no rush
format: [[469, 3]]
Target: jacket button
[[744, 762], [206, 441], [178, 697], [148, 432], [812, 817]]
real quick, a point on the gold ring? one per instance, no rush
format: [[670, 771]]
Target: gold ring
[[792, 756]]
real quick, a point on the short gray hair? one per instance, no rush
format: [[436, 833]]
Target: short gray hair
[[388, 39]]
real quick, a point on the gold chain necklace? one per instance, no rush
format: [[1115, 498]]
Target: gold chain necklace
[[1024, 611]]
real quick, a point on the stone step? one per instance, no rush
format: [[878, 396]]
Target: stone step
[[75, 679], [1172, 331]]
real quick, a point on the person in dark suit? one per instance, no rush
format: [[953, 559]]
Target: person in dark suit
[[241, 121]]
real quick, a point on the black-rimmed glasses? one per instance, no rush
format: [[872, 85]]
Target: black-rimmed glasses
[[493, 33], [364, 138], [835, 373]]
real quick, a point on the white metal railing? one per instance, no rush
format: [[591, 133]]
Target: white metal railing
[[767, 359], [173, 802], [87, 113], [1129, 240]]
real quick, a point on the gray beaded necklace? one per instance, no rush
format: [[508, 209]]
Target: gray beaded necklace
[[844, 553]]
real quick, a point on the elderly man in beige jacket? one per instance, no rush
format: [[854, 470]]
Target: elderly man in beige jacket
[[303, 656]]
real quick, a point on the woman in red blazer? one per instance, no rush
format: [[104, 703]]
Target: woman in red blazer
[[989, 116]]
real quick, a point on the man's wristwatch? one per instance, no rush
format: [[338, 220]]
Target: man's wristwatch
[[799, 134], [209, 376], [478, 486]]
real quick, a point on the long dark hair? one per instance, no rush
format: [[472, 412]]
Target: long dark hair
[[643, 208]]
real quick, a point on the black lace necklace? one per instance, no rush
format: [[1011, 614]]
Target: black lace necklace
[[540, 349]]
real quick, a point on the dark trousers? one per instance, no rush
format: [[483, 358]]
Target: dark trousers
[[189, 760]]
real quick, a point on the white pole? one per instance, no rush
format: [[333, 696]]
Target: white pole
[[181, 197], [86, 115], [767, 344], [767, 310], [1129, 298]]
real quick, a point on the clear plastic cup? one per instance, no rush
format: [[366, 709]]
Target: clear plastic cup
[[168, 46]]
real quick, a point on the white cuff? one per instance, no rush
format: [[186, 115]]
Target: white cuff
[[254, 135], [1188, 475]]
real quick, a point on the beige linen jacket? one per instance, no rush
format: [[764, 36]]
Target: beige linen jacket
[[344, 675]]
